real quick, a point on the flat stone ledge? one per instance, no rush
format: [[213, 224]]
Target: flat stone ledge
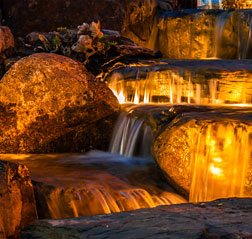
[[224, 218]]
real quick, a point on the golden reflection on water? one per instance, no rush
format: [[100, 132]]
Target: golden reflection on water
[[220, 162], [186, 87], [84, 185]]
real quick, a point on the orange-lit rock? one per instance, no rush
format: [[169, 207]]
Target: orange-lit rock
[[54, 105], [17, 203], [208, 154], [190, 33], [139, 20], [7, 43]]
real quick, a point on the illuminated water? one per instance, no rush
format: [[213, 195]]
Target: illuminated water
[[208, 82], [221, 161], [72, 185], [221, 153]]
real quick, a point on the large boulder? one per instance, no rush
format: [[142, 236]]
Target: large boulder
[[17, 202], [50, 103], [226, 218]]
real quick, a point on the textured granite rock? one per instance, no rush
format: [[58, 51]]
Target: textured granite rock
[[17, 202], [226, 218], [54, 105]]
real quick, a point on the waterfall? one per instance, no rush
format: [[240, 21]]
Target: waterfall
[[220, 161], [161, 84], [220, 22], [202, 34], [98, 200], [73, 185], [131, 137]]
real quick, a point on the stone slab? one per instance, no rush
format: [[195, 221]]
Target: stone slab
[[226, 218]]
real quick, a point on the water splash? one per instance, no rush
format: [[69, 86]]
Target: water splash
[[220, 161]]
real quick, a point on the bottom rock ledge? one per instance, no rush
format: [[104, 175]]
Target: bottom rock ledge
[[224, 218]]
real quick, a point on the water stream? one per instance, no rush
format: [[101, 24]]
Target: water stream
[[73, 185]]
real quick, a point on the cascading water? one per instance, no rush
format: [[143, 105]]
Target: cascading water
[[201, 34], [131, 136], [220, 152], [220, 161], [186, 82], [220, 22], [95, 183]]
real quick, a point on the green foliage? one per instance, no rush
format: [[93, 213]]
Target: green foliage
[[60, 29], [107, 43], [113, 43], [56, 42]]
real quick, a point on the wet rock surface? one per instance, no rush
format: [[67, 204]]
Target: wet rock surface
[[138, 21], [54, 105], [17, 201], [225, 218], [159, 116]]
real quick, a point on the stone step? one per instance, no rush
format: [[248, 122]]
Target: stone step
[[226, 218]]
